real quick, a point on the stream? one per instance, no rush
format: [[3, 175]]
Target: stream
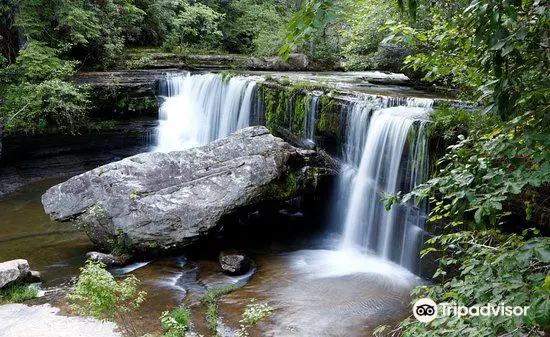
[[315, 290], [316, 287]]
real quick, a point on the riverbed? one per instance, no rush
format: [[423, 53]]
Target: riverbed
[[314, 288]]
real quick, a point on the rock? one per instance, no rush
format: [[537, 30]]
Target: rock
[[123, 94], [168, 200], [12, 271], [45, 321], [27, 158], [107, 259], [34, 276], [17, 271], [234, 262]]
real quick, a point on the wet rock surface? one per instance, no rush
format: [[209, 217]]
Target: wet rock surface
[[168, 200]]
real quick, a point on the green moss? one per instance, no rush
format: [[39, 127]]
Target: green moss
[[226, 75], [281, 99], [298, 118], [288, 187]]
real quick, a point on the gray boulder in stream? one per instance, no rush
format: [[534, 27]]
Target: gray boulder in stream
[[168, 200]]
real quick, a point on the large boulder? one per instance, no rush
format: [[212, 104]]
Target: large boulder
[[168, 200], [15, 271]]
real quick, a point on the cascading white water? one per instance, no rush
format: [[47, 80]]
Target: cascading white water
[[198, 109], [312, 107], [385, 152]]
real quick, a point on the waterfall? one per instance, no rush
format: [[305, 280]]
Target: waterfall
[[385, 152], [197, 109], [310, 122]]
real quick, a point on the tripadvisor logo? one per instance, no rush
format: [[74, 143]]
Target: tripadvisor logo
[[426, 310]]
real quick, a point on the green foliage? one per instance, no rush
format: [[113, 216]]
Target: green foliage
[[193, 25], [482, 172], [313, 17], [449, 122], [99, 295], [493, 49], [362, 36], [255, 27], [492, 268], [37, 97], [252, 315], [479, 179], [176, 322], [18, 293], [210, 299], [94, 31], [39, 62], [49, 105]]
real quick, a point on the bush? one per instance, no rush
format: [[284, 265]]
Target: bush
[[255, 27], [361, 35], [493, 268], [449, 122], [46, 106], [38, 62], [99, 295], [175, 323], [37, 97]]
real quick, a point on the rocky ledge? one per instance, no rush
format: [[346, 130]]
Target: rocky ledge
[[168, 200]]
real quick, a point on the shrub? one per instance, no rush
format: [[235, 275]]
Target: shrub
[[194, 25], [99, 295], [492, 268], [176, 322], [38, 62], [50, 105], [449, 122]]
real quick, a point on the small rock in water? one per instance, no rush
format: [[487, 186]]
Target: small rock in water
[[17, 271], [234, 262], [34, 276], [107, 259]]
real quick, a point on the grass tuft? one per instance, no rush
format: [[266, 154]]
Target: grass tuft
[[18, 293], [210, 298]]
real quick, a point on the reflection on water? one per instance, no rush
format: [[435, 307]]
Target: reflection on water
[[325, 293], [316, 292], [26, 232]]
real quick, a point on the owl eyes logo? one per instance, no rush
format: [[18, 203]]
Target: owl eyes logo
[[425, 310]]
